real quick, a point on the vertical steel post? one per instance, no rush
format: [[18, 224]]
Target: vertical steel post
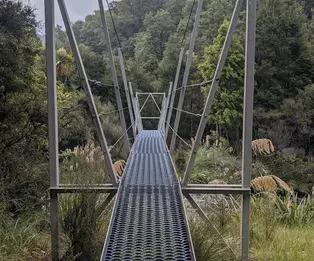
[[127, 93], [52, 125], [140, 123], [137, 112], [167, 107], [186, 75], [213, 88], [173, 93], [126, 144], [248, 124], [161, 114], [168, 101], [134, 107], [88, 92]]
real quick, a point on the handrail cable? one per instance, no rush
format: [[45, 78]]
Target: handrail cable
[[112, 146], [113, 23], [187, 24], [187, 112], [179, 136], [193, 85]]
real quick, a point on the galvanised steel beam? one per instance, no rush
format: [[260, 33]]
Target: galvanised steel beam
[[52, 125], [214, 186], [126, 144], [213, 88], [216, 190], [173, 93], [104, 204], [134, 107], [138, 120], [88, 92], [186, 75], [150, 93], [150, 118], [162, 115], [248, 124], [127, 93], [84, 189], [167, 107], [87, 185]]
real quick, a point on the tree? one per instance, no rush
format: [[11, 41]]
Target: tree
[[227, 108], [213, 15], [159, 27], [23, 116], [284, 57]]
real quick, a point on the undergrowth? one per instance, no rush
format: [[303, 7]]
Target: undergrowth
[[25, 238], [279, 230]]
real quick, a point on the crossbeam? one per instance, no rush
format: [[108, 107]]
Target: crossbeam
[[84, 189], [216, 190]]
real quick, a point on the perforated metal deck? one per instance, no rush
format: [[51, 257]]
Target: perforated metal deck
[[148, 221]]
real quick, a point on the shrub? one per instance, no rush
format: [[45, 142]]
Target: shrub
[[215, 163]]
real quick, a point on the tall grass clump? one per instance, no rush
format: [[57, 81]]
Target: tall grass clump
[[282, 228], [83, 220], [294, 212], [208, 244], [24, 238]]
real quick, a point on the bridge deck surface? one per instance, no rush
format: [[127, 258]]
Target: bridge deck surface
[[148, 220]]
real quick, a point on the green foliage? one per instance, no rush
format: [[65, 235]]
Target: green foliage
[[25, 238], [227, 108], [284, 60], [23, 117], [208, 245], [297, 213], [272, 239], [215, 163]]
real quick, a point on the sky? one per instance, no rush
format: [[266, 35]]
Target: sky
[[77, 9]]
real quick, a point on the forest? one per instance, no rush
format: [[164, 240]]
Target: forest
[[150, 34]]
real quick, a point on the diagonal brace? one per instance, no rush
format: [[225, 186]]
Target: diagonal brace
[[213, 88]]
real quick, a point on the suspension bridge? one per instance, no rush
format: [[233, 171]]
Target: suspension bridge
[[148, 220]]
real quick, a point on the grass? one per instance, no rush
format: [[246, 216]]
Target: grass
[[275, 236], [288, 244], [82, 217], [24, 239]]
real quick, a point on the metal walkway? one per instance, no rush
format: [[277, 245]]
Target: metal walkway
[[148, 221]]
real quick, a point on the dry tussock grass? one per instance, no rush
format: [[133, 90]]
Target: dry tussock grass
[[270, 183], [262, 146]]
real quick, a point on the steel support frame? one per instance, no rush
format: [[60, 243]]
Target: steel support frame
[[244, 188], [248, 124], [127, 92], [134, 105], [186, 76], [138, 109], [166, 109], [126, 145], [52, 126], [213, 88], [55, 187], [173, 92], [87, 89], [137, 112]]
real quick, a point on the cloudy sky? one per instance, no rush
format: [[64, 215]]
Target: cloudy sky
[[77, 9]]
